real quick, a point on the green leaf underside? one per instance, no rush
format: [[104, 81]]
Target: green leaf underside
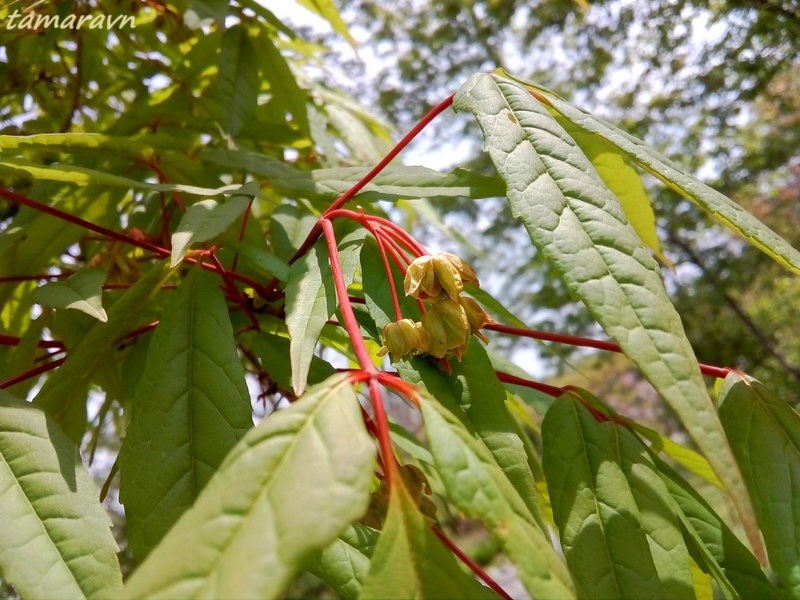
[[56, 539], [311, 299], [344, 564], [191, 407], [287, 490], [394, 182], [82, 291], [579, 225], [607, 496], [238, 77], [63, 392], [83, 176], [410, 562], [480, 489], [204, 221], [481, 397], [719, 206], [765, 435], [273, 350], [712, 544], [622, 179]]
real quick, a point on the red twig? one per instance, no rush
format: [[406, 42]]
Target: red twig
[[20, 278], [348, 316], [314, 234], [384, 439], [545, 388], [12, 340], [574, 340], [121, 237], [473, 566], [7, 383]]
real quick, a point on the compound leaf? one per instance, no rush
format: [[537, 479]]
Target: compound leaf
[[56, 540], [191, 407], [82, 291], [579, 226], [287, 489], [479, 488], [204, 221], [764, 433], [410, 562]]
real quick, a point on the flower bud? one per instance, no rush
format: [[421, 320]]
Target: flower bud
[[420, 281], [447, 326], [402, 338], [477, 317]]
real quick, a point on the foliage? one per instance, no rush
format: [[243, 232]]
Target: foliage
[[176, 233]]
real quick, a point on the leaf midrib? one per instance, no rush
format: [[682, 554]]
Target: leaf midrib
[[296, 435], [39, 520]]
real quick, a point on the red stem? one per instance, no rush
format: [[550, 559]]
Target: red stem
[[388, 269], [19, 278], [349, 317], [550, 390], [384, 439], [31, 373], [473, 566], [12, 340], [574, 340], [314, 234], [121, 237]]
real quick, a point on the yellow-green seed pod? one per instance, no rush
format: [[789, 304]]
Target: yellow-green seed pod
[[420, 281], [477, 317], [447, 326], [403, 338], [464, 269], [447, 276]]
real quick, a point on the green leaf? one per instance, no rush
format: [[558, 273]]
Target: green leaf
[[623, 180], [579, 226], [344, 564], [686, 457], [719, 206], [56, 540], [712, 544], [64, 390], [600, 525], [410, 562], [327, 10], [22, 358], [394, 182], [238, 77], [273, 350], [191, 407], [204, 221], [658, 514], [479, 488], [311, 299], [287, 489], [286, 94], [262, 260], [135, 144], [764, 433], [83, 176], [473, 387], [82, 291], [494, 307], [377, 290]]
